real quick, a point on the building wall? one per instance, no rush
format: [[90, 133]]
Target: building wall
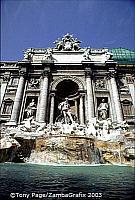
[[38, 79]]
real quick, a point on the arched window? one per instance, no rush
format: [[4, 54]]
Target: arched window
[[7, 108]]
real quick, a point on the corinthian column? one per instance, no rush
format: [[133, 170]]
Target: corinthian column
[[43, 98], [90, 103], [115, 95], [18, 100], [52, 108], [81, 110]]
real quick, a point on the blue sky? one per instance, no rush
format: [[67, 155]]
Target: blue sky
[[38, 23]]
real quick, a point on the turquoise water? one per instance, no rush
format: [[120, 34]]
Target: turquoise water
[[46, 182]]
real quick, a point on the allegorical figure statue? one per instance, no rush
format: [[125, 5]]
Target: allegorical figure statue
[[102, 110], [48, 55], [27, 54], [31, 108], [65, 110], [86, 54]]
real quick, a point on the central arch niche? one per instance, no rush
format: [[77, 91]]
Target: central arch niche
[[67, 88]]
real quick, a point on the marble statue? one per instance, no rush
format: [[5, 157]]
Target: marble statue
[[26, 124], [27, 55], [41, 126], [76, 43], [101, 55], [86, 54], [122, 126], [31, 108], [102, 110], [67, 43], [48, 54], [59, 44], [107, 124], [64, 107]]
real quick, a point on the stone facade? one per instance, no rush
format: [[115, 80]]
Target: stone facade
[[45, 77]]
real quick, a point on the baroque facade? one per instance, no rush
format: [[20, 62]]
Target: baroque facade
[[36, 85]]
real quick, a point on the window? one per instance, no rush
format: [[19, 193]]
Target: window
[[14, 81], [8, 104], [127, 107]]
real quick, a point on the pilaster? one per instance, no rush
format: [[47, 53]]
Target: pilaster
[[4, 84]]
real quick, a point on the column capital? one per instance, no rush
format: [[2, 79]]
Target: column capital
[[52, 94], [46, 73], [88, 72], [81, 94], [112, 73], [22, 73], [130, 79], [6, 77]]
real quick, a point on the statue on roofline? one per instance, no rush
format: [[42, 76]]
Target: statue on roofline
[[67, 43], [48, 55], [27, 55]]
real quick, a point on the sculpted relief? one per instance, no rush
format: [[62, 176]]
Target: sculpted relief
[[97, 55], [67, 43], [100, 84], [33, 83]]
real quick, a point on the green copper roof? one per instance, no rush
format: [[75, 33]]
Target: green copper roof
[[123, 56]]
